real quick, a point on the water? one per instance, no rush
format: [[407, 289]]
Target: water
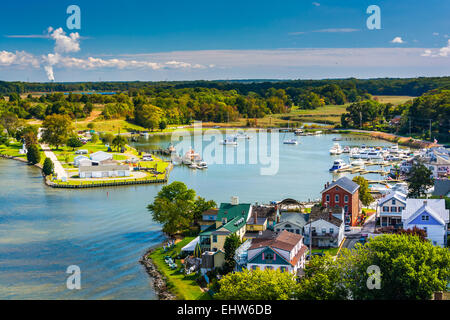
[[105, 231]]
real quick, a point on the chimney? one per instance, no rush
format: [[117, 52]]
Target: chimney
[[255, 216], [425, 202], [325, 186], [330, 214], [234, 200]]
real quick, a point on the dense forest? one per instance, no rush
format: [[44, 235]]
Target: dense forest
[[158, 104]]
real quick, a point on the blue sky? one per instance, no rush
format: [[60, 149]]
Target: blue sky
[[185, 40]]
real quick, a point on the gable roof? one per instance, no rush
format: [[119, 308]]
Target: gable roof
[[284, 240], [435, 207], [345, 183], [395, 194], [299, 219], [326, 214]]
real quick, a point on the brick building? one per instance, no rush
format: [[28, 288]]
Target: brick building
[[343, 193]]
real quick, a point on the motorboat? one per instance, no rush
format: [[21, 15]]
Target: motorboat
[[336, 149], [337, 139], [193, 165], [346, 149], [190, 157], [202, 165], [339, 164], [358, 163], [354, 153], [373, 154], [230, 141], [298, 132], [290, 141]]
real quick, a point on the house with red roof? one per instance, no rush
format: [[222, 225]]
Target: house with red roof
[[285, 252]]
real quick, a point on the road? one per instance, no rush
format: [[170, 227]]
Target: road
[[352, 237], [58, 168]]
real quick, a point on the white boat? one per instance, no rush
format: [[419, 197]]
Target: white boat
[[193, 166], [339, 164], [336, 149], [298, 132], [373, 154], [357, 163], [242, 135], [190, 157], [337, 139], [232, 141], [354, 153], [346, 149], [176, 159], [202, 165], [363, 154], [290, 141]]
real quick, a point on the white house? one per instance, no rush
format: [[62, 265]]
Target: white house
[[104, 171], [101, 156], [327, 227], [390, 208], [78, 159], [286, 252], [430, 215], [292, 222]]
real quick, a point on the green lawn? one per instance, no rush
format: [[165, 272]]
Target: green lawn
[[184, 287], [13, 151], [332, 251]]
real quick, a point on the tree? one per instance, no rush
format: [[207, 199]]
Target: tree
[[74, 142], [162, 125], [419, 180], [119, 142], [94, 138], [147, 115], [57, 129], [33, 154], [364, 194], [200, 206], [29, 138], [173, 206], [409, 268], [108, 138], [10, 122], [323, 280], [48, 166], [257, 285], [232, 242], [421, 233]]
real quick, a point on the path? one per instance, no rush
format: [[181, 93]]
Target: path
[[58, 168]]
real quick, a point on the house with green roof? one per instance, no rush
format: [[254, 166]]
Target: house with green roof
[[231, 219]]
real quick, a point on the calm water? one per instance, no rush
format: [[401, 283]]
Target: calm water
[[105, 231]]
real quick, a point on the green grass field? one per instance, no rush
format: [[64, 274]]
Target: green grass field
[[184, 287]]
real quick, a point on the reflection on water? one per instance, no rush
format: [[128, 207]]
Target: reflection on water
[[105, 231]]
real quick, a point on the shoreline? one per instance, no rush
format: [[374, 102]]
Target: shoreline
[[159, 281]]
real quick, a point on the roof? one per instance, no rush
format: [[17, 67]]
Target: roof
[[269, 212], [321, 213], [266, 234], [236, 215], [395, 194], [299, 219], [101, 155], [435, 207], [284, 240], [115, 167], [345, 183], [210, 212], [441, 187], [191, 245]]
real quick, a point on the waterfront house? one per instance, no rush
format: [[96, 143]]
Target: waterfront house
[[101, 156], [104, 170], [285, 252], [325, 227], [212, 260], [343, 193], [208, 218], [390, 209], [292, 221], [231, 219], [429, 215]]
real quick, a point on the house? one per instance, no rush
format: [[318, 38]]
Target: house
[[266, 211], [231, 219], [256, 223], [441, 188], [326, 227], [390, 209], [430, 215], [343, 193], [208, 219], [104, 170], [439, 164], [285, 252], [101, 156], [81, 151], [212, 260], [395, 121], [292, 221], [77, 159]]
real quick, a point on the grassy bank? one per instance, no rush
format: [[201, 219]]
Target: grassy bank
[[184, 287]]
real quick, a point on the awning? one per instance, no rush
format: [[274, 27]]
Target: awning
[[191, 245]]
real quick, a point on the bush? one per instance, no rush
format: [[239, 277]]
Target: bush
[[33, 154], [48, 166]]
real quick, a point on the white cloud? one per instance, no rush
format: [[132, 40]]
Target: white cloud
[[330, 30], [397, 40], [435, 33], [316, 4], [443, 52], [20, 58], [64, 43]]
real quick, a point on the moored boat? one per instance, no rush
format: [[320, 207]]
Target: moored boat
[[339, 164]]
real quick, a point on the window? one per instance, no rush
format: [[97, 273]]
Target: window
[[328, 198], [214, 238], [324, 230], [269, 267], [346, 198], [425, 217], [337, 189], [268, 256], [254, 267], [425, 229], [336, 198], [313, 229], [278, 230], [331, 230], [393, 201], [297, 231], [386, 209], [345, 209], [400, 209], [393, 209]]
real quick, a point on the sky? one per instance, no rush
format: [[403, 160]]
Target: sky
[[210, 39]]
